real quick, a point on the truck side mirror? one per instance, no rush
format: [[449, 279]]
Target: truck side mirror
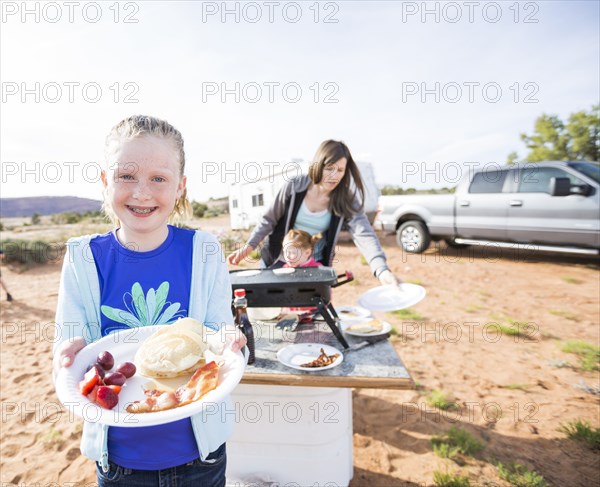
[[560, 186]]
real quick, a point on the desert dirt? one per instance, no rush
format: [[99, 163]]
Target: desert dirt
[[512, 393]]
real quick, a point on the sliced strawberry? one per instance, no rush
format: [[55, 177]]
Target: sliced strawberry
[[92, 395], [91, 379], [117, 389], [106, 397]]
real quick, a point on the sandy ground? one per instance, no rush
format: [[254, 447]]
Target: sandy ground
[[513, 393]]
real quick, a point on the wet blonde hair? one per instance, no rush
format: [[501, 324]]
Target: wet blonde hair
[[302, 239], [139, 126]]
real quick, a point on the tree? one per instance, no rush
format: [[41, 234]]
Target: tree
[[554, 140], [35, 219]]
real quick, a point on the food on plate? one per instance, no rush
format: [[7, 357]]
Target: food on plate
[[350, 313], [98, 368], [172, 351], [91, 379], [322, 360], [114, 379], [103, 387], [127, 369], [204, 380], [106, 397], [371, 326], [105, 360]]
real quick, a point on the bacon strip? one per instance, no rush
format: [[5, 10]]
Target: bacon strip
[[322, 360], [204, 380]]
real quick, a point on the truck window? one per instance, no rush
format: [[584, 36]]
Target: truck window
[[537, 179], [488, 182]]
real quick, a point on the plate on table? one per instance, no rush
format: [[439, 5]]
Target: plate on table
[[301, 353], [123, 345], [248, 273], [281, 271], [391, 297], [352, 313], [366, 328]]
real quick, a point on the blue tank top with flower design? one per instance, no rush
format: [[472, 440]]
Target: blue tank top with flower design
[[140, 289]]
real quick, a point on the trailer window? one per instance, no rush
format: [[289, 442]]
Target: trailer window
[[257, 200], [488, 182], [234, 203]]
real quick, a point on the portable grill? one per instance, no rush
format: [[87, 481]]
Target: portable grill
[[305, 286]]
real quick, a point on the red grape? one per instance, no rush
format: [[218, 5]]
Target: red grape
[[114, 379], [98, 368], [127, 369], [105, 360]]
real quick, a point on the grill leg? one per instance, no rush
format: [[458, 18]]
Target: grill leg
[[329, 313]]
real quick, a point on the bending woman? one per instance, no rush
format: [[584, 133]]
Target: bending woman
[[320, 202]]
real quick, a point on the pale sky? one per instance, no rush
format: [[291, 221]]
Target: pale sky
[[371, 65]]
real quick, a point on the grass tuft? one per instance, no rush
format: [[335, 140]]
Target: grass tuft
[[455, 441], [446, 479], [583, 432], [588, 354], [441, 400], [407, 314], [571, 280], [520, 476], [567, 315]]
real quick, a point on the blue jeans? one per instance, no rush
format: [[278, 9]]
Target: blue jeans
[[198, 473]]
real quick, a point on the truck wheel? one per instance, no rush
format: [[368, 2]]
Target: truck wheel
[[413, 237]]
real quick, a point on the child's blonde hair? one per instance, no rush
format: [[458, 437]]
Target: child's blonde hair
[[303, 239], [139, 126]]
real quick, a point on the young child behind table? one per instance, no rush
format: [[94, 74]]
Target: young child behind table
[[146, 272], [298, 247]]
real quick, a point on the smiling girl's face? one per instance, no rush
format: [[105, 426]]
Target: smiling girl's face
[[142, 184]]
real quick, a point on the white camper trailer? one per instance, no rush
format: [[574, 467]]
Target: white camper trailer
[[248, 200]]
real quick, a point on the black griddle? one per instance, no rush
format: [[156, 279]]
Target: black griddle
[[306, 286]]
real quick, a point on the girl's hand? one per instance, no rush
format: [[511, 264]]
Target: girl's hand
[[238, 343], [236, 257], [388, 277], [65, 355]]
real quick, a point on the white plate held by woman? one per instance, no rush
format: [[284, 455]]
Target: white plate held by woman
[[391, 297], [302, 353]]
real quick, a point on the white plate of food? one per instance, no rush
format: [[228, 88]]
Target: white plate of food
[[391, 297], [196, 387], [366, 328], [309, 356], [352, 313]]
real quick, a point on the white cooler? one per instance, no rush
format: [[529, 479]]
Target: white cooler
[[290, 436]]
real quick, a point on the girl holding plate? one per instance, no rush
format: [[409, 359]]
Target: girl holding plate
[[146, 272]]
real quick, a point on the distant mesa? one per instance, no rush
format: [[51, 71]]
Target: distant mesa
[[46, 205]]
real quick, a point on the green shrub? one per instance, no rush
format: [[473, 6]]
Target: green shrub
[[583, 432], [445, 479], [456, 441], [520, 476], [439, 399], [29, 252], [588, 354]]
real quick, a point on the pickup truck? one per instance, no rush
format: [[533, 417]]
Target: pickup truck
[[553, 206]]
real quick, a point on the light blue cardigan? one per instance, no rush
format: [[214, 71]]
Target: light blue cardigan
[[78, 314]]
